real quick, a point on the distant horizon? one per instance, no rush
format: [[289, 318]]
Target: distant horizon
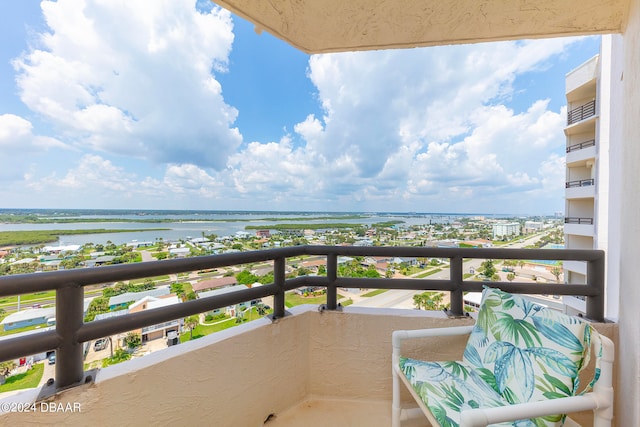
[[231, 211]]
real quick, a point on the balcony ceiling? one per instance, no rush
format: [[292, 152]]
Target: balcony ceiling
[[319, 26]]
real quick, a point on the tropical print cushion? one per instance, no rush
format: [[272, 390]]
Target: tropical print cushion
[[447, 388], [518, 352]]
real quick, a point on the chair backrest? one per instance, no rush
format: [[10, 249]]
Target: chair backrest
[[526, 351]]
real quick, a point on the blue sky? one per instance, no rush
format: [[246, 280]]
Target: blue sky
[[178, 105]]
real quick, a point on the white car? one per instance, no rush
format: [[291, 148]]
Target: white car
[[100, 344]]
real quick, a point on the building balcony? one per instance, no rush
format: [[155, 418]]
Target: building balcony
[[580, 153], [580, 189], [579, 226], [310, 365], [310, 368], [581, 113]]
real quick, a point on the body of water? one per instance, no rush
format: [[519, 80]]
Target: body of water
[[190, 224]]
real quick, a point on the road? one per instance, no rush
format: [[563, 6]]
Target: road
[[400, 298]]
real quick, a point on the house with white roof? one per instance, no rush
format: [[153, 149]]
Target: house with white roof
[[231, 310], [160, 330], [34, 317], [28, 317], [123, 300]]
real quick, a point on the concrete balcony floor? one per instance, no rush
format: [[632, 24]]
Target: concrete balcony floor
[[311, 368], [322, 412]]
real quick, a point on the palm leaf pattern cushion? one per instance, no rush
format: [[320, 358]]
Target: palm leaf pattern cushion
[[518, 352]]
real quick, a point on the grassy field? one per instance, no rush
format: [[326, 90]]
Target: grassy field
[[203, 330], [374, 293], [29, 379], [292, 299], [28, 298], [428, 273]]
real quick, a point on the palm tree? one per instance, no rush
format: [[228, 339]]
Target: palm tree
[[190, 323]]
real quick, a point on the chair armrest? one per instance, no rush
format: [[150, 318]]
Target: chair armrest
[[398, 336], [564, 405]]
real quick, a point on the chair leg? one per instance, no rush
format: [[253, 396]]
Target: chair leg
[[395, 404]]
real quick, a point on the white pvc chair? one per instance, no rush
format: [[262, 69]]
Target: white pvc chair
[[456, 393]]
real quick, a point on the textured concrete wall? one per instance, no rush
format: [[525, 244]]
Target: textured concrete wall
[[240, 376], [317, 26]]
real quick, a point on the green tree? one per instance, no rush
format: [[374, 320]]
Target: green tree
[[119, 356], [190, 323], [303, 271], [97, 306], [178, 289], [511, 277], [488, 270], [5, 369], [556, 271], [429, 301], [133, 340], [245, 277]]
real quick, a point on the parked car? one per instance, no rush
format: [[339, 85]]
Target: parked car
[[52, 359], [100, 344]]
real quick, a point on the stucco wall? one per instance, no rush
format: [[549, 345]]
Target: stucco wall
[[628, 401], [239, 376]]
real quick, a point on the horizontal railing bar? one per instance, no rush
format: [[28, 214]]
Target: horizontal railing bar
[[470, 253], [467, 286], [25, 283], [407, 284], [120, 324], [580, 146], [40, 342]]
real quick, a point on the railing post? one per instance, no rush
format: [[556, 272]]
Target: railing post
[[455, 296], [278, 279], [69, 319], [595, 279], [332, 275]]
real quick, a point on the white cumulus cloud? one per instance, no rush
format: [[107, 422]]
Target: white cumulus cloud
[[134, 79]]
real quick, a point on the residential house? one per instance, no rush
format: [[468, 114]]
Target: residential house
[[124, 300], [28, 317], [215, 283], [161, 330], [231, 310]]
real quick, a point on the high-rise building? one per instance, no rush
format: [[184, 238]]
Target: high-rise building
[[589, 170]]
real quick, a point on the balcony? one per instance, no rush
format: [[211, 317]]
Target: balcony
[[581, 146], [310, 365], [580, 153], [581, 113], [578, 220], [579, 226], [580, 183], [580, 189]]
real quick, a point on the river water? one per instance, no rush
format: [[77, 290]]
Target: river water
[[189, 225]]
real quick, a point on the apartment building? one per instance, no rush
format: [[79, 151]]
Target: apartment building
[[589, 169], [505, 229]]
